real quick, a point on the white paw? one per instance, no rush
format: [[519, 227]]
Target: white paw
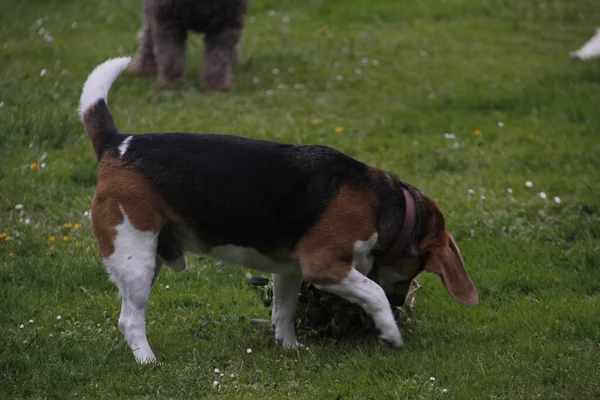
[[144, 358], [392, 337], [295, 344]]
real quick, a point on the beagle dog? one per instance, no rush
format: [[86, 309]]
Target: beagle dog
[[299, 212]]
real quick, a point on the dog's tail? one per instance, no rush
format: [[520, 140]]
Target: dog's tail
[[93, 108]]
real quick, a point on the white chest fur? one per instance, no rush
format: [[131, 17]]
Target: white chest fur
[[251, 258]]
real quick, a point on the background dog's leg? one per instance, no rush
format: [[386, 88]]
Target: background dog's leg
[[169, 51], [144, 63], [219, 59], [285, 298], [360, 290], [236, 56]]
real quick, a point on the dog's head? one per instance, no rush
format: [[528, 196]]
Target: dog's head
[[436, 252]]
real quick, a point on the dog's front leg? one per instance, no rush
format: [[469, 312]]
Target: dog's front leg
[[285, 298], [144, 62], [361, 290]]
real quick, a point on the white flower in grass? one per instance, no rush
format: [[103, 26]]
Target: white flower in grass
[[1, 104], [249, 351], [375, 62], [86, 213], [31, 321], [449, 136], [43, 165], [509, 191], [543, 195], [271, 13], [48, 38], [39, 21], [529, 184], [269, 92], [222, 375], [339, 78], [482, 197], [471, 192], [358, 71], [500, 124], [256, 81], [285, 19], [215, 383], [431, 379], [217, 370], [43, 72], [167, 286], [42, 31], [336, 64], [364, 61], [298, 86], [21, 326], [74, 25], [444, 390], [557, 199], [19, 207], [455, 145], [59, 317], [231, 376], [275, 71]]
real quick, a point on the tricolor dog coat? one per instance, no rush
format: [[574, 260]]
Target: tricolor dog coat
[[298, 212]]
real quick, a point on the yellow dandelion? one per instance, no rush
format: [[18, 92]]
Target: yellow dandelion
[[321, 31], [11, 254], [51, 239], [77, 226], [339, 129], [7, 238], [33, 165], [68, 225], [477, 132], [4, 235], [65, 238]]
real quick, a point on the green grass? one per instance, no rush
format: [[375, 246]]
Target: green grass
[[443, 66]]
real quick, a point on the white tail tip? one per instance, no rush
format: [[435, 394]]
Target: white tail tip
[[99, 82]]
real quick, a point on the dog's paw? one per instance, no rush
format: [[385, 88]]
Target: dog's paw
[[164, 83], [145, 358], [392, 339], [219, 88], [142, 67], [292, 345]]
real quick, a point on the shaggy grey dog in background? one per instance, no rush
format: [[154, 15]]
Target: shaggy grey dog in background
[[162, 40]]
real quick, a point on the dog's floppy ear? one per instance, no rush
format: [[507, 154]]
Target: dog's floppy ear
[[444, 258]]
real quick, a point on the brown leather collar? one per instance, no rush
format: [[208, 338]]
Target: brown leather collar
[[408, 227]]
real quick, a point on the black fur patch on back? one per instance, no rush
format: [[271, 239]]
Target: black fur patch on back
[[245, 192]]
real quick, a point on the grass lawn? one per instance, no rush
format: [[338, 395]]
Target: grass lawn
[[396, 75]]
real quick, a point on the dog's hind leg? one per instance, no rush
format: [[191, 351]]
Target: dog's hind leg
[[219, 59], [131, 261]]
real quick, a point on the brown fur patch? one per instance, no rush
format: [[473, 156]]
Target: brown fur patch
[[120, 186], [327, 250]]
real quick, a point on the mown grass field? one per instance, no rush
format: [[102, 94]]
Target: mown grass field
[[396, 75]]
